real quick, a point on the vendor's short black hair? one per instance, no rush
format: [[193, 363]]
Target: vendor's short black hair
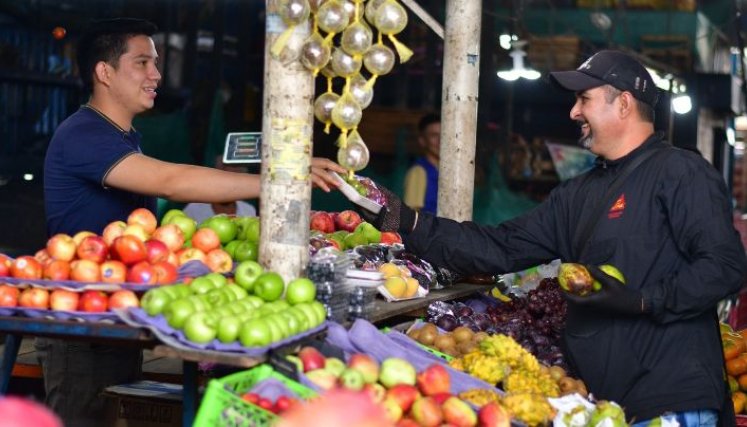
[[106, 40], [428, 120]]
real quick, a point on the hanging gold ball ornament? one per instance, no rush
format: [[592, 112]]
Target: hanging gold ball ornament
[[379, 59], [315, 53], [323, 106], [345, 65], [391, 17], [315, 4], [332, 17], [347, 112], [356, 39], [362, 92], [354, 156], [350, 9], [371, 7], [294, 12]]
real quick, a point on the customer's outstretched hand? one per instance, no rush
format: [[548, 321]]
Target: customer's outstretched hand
[[613, 296], [395, 216]]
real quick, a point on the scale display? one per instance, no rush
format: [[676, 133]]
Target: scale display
[[243, 147]]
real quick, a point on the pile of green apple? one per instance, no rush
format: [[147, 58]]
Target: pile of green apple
[[249, 310]]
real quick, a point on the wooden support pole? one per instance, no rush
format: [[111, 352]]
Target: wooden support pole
[[287, 116], [456, 178]]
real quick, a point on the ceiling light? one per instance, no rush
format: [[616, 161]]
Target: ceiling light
[[682, 104], [518, 70]]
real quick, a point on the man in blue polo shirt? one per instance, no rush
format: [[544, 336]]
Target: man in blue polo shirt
[[95, 173]]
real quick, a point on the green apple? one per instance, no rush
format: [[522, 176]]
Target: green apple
[[202, 285], [269, 286], [170, 214], [154, 302], [371, 234], [237, 291], [246, 274], [200, 328], [352, 379], [276, 333], [294, 325], [311, 314], [280, 322], [303, 320], [320, 310], [176, 291], [300, 290], [177, 312], [254, 300], [335, 366], [246, 251], [230, 248], [187, 224], [396, 371], [223, 226], [228, 329], [255, 333], [250, 229], [217, 278], [355, 239]]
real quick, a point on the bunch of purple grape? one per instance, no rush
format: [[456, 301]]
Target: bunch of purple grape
[[372, 191], [535, 321]]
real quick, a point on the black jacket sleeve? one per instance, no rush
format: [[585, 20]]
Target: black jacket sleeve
[[700, 216]]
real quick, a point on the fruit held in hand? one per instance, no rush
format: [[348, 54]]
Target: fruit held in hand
[[575, 279], [610, 270]]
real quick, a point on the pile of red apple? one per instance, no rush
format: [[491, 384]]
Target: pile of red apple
[[409, 398], [66, 300], [278, 407], [346, 230]]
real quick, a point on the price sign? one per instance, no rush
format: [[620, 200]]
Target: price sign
[[243, 147]]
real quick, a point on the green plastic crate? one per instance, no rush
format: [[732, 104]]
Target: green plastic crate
[[222, 404]]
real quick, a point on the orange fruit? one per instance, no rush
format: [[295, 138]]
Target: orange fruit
[[412, 287]]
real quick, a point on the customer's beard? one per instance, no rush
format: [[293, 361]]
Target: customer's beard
[[586, 141]]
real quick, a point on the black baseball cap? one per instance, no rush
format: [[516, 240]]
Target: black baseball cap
[[614, 68]]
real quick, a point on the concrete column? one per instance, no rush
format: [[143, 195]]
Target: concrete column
[[461, 73], [287, 115]]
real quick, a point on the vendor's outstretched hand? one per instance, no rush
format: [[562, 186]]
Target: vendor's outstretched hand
[[321, 173], [613, 296], [395, 216]]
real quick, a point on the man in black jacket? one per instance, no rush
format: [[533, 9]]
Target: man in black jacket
[[651, 345]]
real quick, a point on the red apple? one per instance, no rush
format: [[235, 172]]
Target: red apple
[[61, 246], [390, 237], [404, 394], [79, 236], [205, 239], [26, 267], [93, 302], [113, 271], [366, 365], [144, 218], [347, 220], [166, 272], [8, 296], [34, 298], [311, 358], [157, 251], [5, 263], [188, 254], [85, 270], [171, 235], [322, 221], [113, 230], [493, 415], [43, 257], [56, 270], [434, 380], [142, 272], [136, 230], [93, 248], [123, 299], [62, 299], [129, 249], [173, 259], [219, 261]]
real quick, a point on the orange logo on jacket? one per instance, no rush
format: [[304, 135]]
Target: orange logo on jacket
[[617, 208]]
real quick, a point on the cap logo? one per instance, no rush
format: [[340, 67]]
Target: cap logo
[[637, 83], [586, 65]]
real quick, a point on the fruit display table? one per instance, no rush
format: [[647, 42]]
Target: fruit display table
[[382, 310]]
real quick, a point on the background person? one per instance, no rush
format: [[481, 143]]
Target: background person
[[421, 180], [202, 211], [651, 344], [94, 173]]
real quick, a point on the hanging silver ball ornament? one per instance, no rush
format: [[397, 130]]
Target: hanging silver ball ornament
[[347, 112], [323, 106], [379, 59], [391, 18], [345, 65], [362, 93], [371, 7], [354, 156], [315, 53], [315, 4], [294, 12], [332, 17], [356, 39]]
